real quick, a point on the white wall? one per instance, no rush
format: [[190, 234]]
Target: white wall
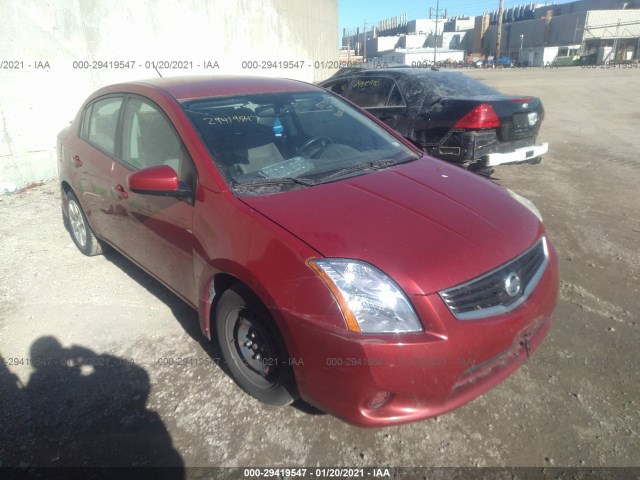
[[549, 55], [458, 24], [459, 40], [424, 25], [381, 44], [35, 104], [426, 56], [415, 41], [603, 24], [540, 56]]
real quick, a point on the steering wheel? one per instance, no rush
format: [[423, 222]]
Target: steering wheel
[[322, 140]]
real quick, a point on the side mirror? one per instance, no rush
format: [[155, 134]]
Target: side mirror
[[160, 180]]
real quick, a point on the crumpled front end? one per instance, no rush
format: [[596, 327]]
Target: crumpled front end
[[382, 380]]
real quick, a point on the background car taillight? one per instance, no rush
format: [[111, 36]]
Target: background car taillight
[[526, 100], [483, 116]]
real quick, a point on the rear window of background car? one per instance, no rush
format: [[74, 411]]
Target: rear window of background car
[[375, 93]]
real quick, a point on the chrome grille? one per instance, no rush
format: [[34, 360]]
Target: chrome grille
[[500, 290]]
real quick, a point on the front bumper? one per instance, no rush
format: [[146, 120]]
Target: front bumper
[[523, 154], [376, 380]]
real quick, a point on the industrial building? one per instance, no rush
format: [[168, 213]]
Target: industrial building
[[532, 34], [409, 41], [603, 30]]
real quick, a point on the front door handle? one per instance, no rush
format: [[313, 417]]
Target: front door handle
[[77, 162], [120, 191]]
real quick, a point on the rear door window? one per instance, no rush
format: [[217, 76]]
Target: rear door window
[[374, 92]]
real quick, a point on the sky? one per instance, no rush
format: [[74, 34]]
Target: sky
[[352, 13]]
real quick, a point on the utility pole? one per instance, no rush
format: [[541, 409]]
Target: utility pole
[[364, 41], [520, 53], [499, 39], [435, 44]]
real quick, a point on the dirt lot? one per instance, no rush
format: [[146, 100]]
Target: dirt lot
[[577, 403]]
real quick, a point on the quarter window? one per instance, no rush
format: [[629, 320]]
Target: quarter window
[[86, 120], [100, 121], [395, 98], [339, 87]]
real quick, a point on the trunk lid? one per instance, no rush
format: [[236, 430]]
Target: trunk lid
[[520, 117]]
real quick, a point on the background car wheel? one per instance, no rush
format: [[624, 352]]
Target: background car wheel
[[81, 232], [481, 168], [253, 348]]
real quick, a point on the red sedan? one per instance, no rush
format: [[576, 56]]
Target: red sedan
[[330, 259]]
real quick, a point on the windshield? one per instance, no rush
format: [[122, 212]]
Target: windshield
[[268, 143]]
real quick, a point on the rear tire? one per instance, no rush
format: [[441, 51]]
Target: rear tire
[[252, 347], [481, 168], [79, 228]]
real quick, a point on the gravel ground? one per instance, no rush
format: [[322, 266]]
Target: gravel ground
[[576, 403]]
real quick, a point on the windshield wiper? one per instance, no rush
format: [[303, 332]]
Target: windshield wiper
[[267, 182], [375, 165]]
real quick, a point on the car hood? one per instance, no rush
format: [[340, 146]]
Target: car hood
[[428, 224]]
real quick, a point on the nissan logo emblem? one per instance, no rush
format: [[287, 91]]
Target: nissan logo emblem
[[512, 284]]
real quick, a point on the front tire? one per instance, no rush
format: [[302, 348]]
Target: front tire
[[252, 347], [79, 227]]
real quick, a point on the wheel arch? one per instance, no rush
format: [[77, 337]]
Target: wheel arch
[[65, 188], [217, 284], [221, 281]]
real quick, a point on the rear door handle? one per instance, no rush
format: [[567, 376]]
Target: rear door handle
[[120, 191], [77, 162]]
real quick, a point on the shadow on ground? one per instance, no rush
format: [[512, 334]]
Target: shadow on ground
[[184, 314], [80, 409]]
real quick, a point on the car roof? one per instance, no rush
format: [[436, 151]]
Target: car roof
[[192, 87], [396, 72], [420, 85]]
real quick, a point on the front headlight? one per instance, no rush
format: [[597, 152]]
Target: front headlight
[[526, 203], [370, 301]]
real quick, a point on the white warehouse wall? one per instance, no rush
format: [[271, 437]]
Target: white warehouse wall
[[423, 57], [41, 88], [604, 24], [415, 41]]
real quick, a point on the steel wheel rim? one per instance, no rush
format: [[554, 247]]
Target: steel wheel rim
[[256, 351], [78, 226]]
